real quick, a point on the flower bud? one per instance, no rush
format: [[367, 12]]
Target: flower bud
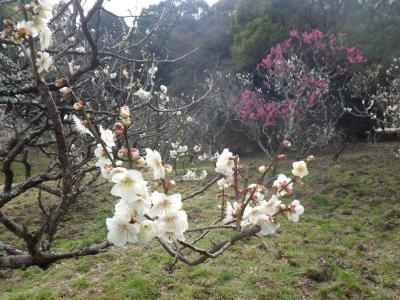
[[286, 144], [123, 152], [22, 32], [169, 184], [272, 219], [281, 157], [8, 22], [167, 167], [66, 92], [140, 162], [119, 126], [310, 158], [60, 82], [78, 105], [134, 153], [118, 133], [262, 169], [119, 163], [126, 122], [124, 112]]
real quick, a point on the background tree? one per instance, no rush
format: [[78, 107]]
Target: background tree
[[300, 97]]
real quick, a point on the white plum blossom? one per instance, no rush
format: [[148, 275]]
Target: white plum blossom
[[197, 148], [272, 205], [204, 156], [173, 154], [43, 61], [163, 204], [252, 213], [300, 169], [163, 89], [182, 149], [142, 94], [136, 209], [282, 185], [107, 137], [45, 38], [36, 24], [171, 226], [72, 67], [102, 155], [108, 170], [130, 186], [189, 176], [295, 210], [147, 231], [44, 9], [152, 71], [224, 164], [258, 196], [223, 183], [80, 49], [120, 229], [229, 213], [268, 225], [23, 26], [79, 127], [106, 69], [153, 160]]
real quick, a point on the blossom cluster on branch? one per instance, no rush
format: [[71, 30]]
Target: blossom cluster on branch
[[35, 28], [377, 91], [141, 215]]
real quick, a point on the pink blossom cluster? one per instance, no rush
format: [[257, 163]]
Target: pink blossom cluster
[[314, 35], [354, 55], [298, 72], [323, 46], [254, 108]]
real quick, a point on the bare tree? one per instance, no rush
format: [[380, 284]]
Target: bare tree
[[54, 95], [92, 67]]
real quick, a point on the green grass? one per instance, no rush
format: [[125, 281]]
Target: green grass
[[344, 247]]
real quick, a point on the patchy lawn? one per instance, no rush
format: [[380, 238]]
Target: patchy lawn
[[346, 245]]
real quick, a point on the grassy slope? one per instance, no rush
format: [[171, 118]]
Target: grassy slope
[[345, 246]]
